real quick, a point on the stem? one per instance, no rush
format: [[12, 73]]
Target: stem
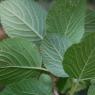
[[54, 80], [74, 88], [55, 92]]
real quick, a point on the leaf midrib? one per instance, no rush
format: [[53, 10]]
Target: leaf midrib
[[90, 55], [25, 67], [61, 58], [29, 93]]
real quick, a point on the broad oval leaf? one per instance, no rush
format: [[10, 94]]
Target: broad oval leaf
[[23, 18], [79, 60], [41, 86], [67, 17], [53, 48], [18, 59]]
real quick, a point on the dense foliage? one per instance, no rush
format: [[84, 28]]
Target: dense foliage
[[47, 52]]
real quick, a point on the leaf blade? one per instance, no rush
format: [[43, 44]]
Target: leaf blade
[[66, 28], [80, 65], [18, 59], [65, 18], [31, 87], [52, 49], [20, 19]]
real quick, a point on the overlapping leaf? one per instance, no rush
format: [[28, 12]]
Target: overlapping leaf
[[64, 19], [18, 59], [23, 18], [53, 49], [41, 86], [67, 17], [79, 60]]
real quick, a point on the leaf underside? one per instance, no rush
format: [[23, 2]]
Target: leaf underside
[[23, 18], [90, 21], [53, 49]]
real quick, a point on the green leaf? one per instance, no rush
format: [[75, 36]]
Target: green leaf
[[41, 86], [23, 18], [90, 21], [18, 59], [68, 18], [65, 20], [79, 60], [53, 48], [91, 90]]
